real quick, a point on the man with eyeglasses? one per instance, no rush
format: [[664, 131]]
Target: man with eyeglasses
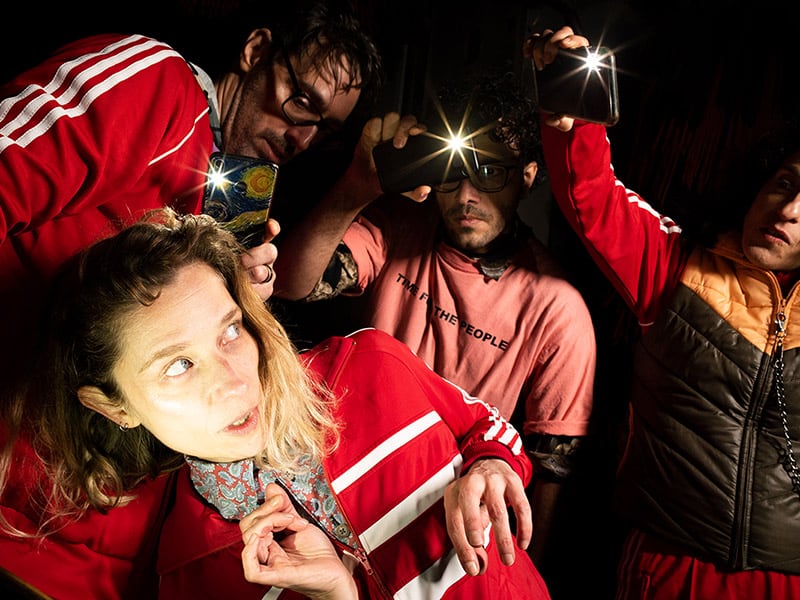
[[91, 138], [463, 281]]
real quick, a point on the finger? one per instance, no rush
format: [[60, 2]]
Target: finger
[[276, 500], [501, 529], [263, 254], [261, 274], [251, 561], [417, 128], [466, 553], [574, 41], [533, 47], [472, 509], [389, 125], [559, 35], [258, 554], [403, 130], [278, 521], [455, 530], [419, 194], [518, 502], [371, 133], [482, 557], [272, 229]]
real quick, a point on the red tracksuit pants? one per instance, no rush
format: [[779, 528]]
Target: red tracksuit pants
[[650, 570]]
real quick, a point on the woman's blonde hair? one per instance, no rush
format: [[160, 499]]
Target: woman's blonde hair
[[90, 461]]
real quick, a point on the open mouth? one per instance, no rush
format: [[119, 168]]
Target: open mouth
[[774, 233], [242, 422]]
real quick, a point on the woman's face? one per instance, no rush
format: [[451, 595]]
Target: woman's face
[[189, 370]]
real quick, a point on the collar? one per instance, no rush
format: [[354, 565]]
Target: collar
[[210, 92], [502, 251]]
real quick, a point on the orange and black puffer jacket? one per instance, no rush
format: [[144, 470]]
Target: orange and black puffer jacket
[[706, 466]]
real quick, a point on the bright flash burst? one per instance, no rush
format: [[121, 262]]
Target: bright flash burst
[[458, 142], [593, 61]]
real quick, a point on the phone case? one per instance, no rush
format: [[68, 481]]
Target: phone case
[[568, 86], [238, 194], [426, 159]]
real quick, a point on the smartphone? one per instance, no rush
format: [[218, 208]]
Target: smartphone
[[426, 159], [238, 194], [580, 83]]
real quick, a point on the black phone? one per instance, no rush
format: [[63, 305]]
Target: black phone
[[238, 194], [580, 83], [426, 159]]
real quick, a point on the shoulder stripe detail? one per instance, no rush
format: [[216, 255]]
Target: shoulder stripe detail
[[666, 224], [188, 135], [402, 437], [38, 108], [501, 430], [409, 509]]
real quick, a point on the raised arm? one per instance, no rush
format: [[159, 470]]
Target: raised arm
[[637, 248], [308, 247]]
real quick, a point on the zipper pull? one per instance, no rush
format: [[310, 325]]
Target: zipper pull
[[361, 556], [780, 324]]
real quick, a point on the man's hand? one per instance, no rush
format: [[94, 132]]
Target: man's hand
[[479, 498], [260, 260], [542, 48], [381, 129], [284, 550]]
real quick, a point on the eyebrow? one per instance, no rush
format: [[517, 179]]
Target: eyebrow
[[175, 348], [313, 94], [319, 101]]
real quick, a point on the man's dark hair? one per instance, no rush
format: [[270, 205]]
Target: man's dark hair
[[743, 177], [483, 100], [329, 32]]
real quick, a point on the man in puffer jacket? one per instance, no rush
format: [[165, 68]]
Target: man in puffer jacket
[[708, 480]]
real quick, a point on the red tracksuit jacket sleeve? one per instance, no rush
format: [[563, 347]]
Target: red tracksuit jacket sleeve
[[105, 129], [635, 247]]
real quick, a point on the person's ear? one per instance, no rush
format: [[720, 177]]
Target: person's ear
[[529, 174], [255, 48], [93, 398]]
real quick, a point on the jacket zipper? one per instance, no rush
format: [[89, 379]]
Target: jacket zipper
[[741, 531], [358, 553]]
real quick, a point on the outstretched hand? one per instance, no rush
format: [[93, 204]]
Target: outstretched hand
[[481, 498], [284, 550]]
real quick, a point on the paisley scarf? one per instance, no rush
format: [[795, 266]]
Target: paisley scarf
[[236, 489]]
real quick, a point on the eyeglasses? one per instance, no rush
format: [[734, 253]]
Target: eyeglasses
[[486, 178], [299, 108]]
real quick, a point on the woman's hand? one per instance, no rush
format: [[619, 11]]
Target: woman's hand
[[284, 550]]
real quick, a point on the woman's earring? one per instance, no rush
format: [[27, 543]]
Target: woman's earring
[[123, 427]]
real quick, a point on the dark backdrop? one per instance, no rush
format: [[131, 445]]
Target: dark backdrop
[[699, 82]]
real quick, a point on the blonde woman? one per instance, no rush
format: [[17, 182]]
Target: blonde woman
[[159, 355]]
